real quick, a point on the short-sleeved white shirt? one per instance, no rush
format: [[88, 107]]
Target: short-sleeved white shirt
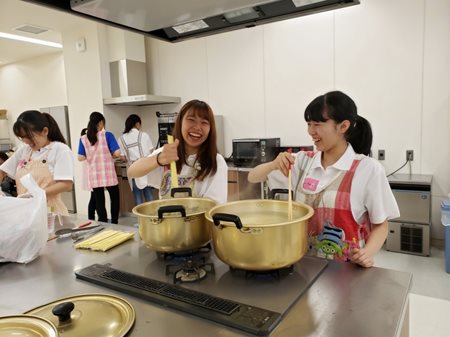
[[370, 192], [58, 155], [213, 186], [130, 138]]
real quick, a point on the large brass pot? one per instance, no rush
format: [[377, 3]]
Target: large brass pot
[[174, 225], [256, 234]]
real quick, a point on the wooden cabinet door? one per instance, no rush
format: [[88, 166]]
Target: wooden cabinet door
[[233, 185], [126, 196]]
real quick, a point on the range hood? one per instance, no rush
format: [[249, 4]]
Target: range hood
[[178, 20], [129, 83]]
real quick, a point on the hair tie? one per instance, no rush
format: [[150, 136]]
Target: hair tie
[[157, 159]]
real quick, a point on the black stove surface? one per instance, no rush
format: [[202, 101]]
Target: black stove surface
[[276, 294]]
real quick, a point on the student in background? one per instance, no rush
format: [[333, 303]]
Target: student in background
[[135, 144], [84, 181], [348, 190], [44, 155], [199, 165], [99, 148]]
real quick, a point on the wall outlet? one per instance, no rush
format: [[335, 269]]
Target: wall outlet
[[409, 155], [381, 155]]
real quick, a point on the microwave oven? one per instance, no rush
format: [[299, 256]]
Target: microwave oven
[[250, 152]]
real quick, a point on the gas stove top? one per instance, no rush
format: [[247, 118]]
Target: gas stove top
[[256, 301]]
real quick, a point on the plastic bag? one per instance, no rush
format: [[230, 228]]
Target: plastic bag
[[23, 225]]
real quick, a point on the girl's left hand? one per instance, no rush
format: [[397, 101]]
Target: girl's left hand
[[362, 257]]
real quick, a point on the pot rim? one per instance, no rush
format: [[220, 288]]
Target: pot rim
[[307, 216], [166, 201]]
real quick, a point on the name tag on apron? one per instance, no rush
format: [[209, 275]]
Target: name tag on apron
[[310, 184]]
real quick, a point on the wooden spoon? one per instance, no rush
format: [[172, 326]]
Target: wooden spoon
[[173, 166], [290, 190]]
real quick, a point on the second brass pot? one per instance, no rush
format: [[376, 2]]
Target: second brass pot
[[174, 225], [257, 235]]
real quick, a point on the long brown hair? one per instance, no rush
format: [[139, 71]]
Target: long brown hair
[[207, 153]]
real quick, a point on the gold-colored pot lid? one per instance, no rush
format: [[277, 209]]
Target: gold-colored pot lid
[[97, 315], [26, 326]]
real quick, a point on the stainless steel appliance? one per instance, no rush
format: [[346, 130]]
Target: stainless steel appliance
[[166, 123], [250, 152], [410, 233]]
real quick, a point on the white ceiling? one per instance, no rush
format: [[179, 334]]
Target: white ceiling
[[14, 13]]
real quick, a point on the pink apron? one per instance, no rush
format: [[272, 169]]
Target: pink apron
[[44, 178]]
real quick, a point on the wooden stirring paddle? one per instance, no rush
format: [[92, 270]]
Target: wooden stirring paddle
[[173, 166], [290, 189]]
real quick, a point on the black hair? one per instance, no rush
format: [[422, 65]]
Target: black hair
[[131, 122], [3, 156], [339, 107], [83, 132], [35, 121], [91, 133]]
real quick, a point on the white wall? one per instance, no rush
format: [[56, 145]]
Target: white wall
[[391, 56], [31, 85]]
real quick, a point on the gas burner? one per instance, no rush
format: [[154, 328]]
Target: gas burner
[[274, 274], [189, 271], [185, 255]]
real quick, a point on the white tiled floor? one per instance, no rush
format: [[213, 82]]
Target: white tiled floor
[[429, 276]]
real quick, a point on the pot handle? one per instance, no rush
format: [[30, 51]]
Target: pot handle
[[187, 190], [217, 217], [171, 209], [273, 193]]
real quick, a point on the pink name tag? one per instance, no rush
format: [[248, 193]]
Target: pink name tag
[[310, 184]]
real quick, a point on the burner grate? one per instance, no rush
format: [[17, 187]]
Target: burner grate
[[275, 274], [241, 316], [190, 271]]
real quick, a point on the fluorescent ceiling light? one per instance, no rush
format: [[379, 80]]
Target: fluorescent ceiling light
[[30, 40], [190, 26]]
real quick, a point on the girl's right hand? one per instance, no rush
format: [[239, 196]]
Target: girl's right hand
[[169, 153], [283, 161]]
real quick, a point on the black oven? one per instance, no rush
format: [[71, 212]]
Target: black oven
[[250, 152]]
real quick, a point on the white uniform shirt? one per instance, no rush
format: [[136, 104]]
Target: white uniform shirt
[[131, 138], [214, 186], [59, 158], [370, 191]]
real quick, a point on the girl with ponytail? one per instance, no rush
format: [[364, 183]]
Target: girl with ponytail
[[44, 155], [348, 189], [99, 148]]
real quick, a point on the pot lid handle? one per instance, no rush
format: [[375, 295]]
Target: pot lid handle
[[171, 209], [63, 311], [217, 217]]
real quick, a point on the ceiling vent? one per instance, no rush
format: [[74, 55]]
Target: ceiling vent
[[31, 29]]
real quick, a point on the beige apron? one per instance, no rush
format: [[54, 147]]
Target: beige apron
[[44, 178]]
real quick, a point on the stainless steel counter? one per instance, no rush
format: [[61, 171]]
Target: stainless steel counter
[[344, 301]]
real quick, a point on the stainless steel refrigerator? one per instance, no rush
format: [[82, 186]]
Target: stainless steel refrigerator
[[61, 115]]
